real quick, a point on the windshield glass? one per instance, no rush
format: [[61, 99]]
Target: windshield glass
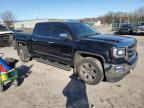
[[82, 30], [142, 24], [126, 26], [3, 28]]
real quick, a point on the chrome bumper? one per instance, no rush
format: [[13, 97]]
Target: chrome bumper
[[115, 72]]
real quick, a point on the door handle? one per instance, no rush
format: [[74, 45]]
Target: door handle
[[34, 39], [50, 42]]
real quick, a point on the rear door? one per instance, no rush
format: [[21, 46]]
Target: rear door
[[41, 38], [62, 49]]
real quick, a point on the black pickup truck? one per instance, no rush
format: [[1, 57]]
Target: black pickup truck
[[94, 56]]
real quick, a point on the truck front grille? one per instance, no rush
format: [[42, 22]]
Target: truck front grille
[[141, 29], [4, 39], [131, 52]]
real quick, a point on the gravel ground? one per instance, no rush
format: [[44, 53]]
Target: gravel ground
[[44, 86]]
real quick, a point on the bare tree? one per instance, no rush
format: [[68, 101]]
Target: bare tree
[[140, 13], [8, 18], [135, 16]]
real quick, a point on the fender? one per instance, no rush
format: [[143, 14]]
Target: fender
[[89, 53], [17, 44], [21, 42], [83, 52]]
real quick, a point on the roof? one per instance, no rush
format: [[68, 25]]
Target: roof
[[64, 22], [2, 25]]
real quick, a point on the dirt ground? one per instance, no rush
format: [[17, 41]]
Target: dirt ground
[[44, 86]]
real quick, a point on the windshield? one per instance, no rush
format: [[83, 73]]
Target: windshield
[[82, 30], [126, 26], [3, 28], [142, 24]]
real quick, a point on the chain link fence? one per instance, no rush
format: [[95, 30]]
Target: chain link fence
[[116, 25]]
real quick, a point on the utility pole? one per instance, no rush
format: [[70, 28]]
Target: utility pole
[[1, 21], [127, 17], [120, 20]]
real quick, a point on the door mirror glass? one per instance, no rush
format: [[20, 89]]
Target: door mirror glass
[[64, 36]]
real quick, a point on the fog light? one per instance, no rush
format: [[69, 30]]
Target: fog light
[[119, 68]]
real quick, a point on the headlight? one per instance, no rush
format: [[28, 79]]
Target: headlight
[[119, 52]]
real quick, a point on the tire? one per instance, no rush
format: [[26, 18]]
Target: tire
[[131, 32], [1, 88], [23, 53], [16, 82], [90, 70]]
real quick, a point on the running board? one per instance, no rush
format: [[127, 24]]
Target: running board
[[55, 64]]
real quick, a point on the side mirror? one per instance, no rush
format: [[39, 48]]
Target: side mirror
[[64, 36]]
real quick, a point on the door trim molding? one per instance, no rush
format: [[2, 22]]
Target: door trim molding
[[52, 55]]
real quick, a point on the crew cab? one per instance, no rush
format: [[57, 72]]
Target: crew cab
[[5, 36], [94, 56]]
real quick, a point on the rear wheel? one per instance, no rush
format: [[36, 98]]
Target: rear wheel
[[90, 70], [23, 53]]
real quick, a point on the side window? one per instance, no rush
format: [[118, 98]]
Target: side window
[[43, 30], [58, 29]]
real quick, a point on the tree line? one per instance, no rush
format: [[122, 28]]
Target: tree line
[[111, 17], [8, 18]]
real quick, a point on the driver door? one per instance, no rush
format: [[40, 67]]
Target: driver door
[[62, 49]]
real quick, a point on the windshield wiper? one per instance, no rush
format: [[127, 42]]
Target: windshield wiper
[[91, 35]]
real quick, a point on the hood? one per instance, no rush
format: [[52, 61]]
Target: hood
[[112, 39], [6, 32]]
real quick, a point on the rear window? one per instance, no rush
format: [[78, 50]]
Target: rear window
[[43, 30], [3, 28]]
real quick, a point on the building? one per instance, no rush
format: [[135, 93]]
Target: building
[[98, 23], [31, 23]]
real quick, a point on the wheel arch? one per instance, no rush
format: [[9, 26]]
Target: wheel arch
[[21, 43], [81, 54], [18, 43]]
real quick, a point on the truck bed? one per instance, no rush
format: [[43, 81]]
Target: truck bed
[[23, 36]]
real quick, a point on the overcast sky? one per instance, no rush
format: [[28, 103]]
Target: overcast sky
[[68, 9]]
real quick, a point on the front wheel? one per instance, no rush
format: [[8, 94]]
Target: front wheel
[[90, 70]]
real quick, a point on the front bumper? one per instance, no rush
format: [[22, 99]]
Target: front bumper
[[140, 31], [124, 31], [115, 72], [5, 40]]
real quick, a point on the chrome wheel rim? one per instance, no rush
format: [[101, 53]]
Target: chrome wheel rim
[[88, 72]]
